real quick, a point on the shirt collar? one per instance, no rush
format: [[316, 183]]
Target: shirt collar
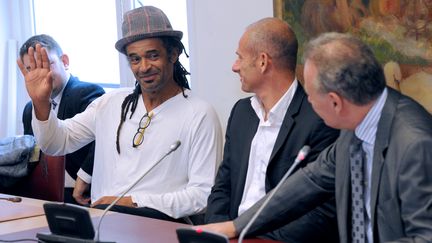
[[57, 99], [278, 111], [366, 130]]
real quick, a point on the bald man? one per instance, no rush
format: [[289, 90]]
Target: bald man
[[266, 131]]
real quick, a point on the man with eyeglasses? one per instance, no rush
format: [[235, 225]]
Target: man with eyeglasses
[[69, 96], [134, 128]]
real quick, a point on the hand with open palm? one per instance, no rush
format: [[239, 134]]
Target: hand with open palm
[[38, 80]]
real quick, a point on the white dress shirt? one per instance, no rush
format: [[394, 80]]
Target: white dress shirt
[[179, 185], [262, 147]]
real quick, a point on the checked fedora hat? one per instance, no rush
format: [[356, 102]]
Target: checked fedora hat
[[142, 23]]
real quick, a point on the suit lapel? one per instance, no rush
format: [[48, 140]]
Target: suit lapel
[[65, 99], [289, 120], [381, 144], [343, 185], [248, 132]]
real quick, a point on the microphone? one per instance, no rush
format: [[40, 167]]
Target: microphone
[[11, 199], [300, 157], [172, 148]]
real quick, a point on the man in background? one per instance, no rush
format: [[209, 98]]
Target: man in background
[[69, 96], [135, 127], [266, 132], [379, 167]]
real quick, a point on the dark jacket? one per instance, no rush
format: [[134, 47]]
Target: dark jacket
[[401, 190], [301, 126]]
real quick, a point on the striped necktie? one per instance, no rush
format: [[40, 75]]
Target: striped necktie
[[53, 104], [358, 227]]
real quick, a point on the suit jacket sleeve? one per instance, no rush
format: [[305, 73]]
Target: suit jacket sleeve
[[218, 204], [415, 196], [88, 96], [303, 191], [320, 137], [87, 165]]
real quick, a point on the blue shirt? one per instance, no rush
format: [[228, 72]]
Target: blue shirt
[[366, 131]]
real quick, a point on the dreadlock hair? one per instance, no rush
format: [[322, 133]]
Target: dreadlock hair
[[179, 75], [180, 72], [130, 102]]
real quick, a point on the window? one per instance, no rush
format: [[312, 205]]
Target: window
[[87, 31]]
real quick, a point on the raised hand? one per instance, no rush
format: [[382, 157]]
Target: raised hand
[[38, 80]]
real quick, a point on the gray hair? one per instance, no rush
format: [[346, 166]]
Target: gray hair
[[346, 66]]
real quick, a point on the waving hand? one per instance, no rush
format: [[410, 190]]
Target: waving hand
[[38, 80]]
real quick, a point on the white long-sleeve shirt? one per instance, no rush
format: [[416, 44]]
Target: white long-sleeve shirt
[[179, 185], [262, 146]]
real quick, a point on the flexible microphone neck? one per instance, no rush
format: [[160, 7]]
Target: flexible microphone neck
[[11, 199], [300, 157], [173, 147]]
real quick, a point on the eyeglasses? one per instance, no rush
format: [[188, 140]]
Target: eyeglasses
[[143, 124]]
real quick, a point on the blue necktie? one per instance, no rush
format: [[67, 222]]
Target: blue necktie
[[358, 229]]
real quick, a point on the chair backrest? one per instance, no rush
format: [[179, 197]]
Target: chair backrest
[[46, 181]]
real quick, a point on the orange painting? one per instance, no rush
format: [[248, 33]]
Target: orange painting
[[398, 31]]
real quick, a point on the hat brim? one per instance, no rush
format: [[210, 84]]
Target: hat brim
[[122, 43]]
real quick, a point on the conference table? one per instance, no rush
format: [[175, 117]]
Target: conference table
[[23, 220]]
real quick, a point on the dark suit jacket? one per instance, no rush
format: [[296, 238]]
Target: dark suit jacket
[[301, 126], [401, 192], [76, 97]]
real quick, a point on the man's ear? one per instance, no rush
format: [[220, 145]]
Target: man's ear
[[263, 61], [65, 60], [174, 55], [337, 101]]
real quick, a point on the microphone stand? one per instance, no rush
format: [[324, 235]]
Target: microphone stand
[[11, 199], [300, 157], [173, 147]]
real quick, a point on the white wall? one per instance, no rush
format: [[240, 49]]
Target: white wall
[[4, 33], [215, 28]]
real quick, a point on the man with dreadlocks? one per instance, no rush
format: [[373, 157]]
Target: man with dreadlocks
[[133, 129]]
